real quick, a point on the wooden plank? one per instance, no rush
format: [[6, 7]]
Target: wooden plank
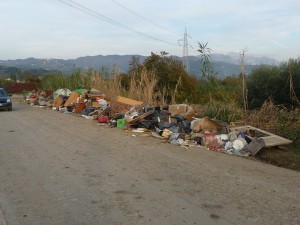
[[142, 117], [127, 101], [58, 101], [96, 95], [95, 104], [79, 107], [72, 99]]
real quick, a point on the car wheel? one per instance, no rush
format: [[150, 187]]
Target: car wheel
[[9, 109]]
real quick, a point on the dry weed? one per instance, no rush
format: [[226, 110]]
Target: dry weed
[[142, 87], [276, 119], [110, 85], [175, 93]]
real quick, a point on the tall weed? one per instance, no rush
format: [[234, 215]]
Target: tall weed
[[108, 84], [143, 87], [54, 81], [277, 119], [225, 112]]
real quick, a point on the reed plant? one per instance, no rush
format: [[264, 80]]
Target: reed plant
[[75, 80], [110, 84], [143, 87]]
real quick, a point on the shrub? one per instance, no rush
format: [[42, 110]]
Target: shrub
[[20, 87]]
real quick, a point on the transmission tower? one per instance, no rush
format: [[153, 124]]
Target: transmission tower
[[185, 51]]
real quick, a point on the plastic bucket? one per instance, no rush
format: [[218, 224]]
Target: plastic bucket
[[239, 143], [121, 123]]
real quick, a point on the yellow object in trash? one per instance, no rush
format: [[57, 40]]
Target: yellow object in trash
[[166, 133]]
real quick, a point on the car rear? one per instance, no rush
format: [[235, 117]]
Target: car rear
[[5, 100]]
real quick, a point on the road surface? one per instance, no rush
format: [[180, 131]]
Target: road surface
[[66, 170]]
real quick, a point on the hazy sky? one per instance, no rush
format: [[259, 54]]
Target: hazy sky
[[69, 29]]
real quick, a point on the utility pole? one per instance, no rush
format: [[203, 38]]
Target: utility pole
[[244, 87]]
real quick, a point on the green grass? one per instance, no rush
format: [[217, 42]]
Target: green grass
[[283, 157]]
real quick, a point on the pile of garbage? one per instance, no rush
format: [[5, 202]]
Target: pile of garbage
[[175, 124]]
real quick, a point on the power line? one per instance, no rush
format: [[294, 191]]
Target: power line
[[197, 42], [145, 19], [89, 12], [93, 13]]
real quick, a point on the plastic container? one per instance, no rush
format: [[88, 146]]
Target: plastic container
[[103, 119], [239, 144], [121, 123]]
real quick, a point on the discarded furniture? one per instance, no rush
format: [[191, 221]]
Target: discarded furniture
[[269, 138]]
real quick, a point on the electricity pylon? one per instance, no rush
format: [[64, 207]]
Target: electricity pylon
[[185, 53]]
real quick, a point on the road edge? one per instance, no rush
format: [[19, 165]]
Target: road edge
[[2, 219]]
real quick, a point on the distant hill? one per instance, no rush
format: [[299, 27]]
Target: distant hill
[[224, 65]]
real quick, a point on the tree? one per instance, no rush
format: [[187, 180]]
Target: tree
[[134, 64], [172, 76], [13, 77], [267, 83], [293, 70], [206, 66], [281, 84]]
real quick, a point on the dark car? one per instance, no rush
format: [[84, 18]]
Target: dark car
[[5, 100]]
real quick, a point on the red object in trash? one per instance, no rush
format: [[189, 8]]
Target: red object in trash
[[211, 142], [33, 96], [103, 119]]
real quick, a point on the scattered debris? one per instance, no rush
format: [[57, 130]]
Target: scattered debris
[[176, 124]]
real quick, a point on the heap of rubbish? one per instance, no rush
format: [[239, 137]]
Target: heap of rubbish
[[175, 124]]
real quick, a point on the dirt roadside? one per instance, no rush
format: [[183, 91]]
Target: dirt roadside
[[62, 169], [2, 219]]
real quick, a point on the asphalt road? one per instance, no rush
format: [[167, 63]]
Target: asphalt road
[[66, 170]]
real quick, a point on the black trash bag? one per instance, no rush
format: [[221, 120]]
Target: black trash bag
[[163, 114], [179, 118], [83, 112], [175, 128], [70, 108], [119, 116], [148, 124], [162, 125], [185, 125]]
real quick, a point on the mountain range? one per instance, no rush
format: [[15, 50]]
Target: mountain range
[[223, 64]]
